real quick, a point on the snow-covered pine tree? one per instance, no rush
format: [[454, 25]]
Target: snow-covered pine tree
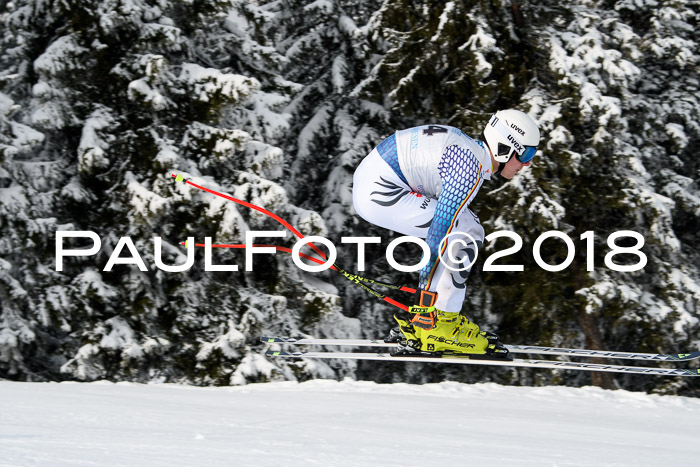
[[333, 126], [158, 91], [614, 94]]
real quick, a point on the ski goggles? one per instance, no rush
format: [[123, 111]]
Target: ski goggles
[[527, 154]]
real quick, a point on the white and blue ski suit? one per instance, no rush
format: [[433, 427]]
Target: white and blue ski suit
[[419, 182]]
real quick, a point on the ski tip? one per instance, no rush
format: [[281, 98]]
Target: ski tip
[[684, 356], [179, 178]]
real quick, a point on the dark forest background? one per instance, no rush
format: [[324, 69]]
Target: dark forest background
[[276, 103]]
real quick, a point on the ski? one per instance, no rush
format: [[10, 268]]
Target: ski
[[516, 349], [466, 360]]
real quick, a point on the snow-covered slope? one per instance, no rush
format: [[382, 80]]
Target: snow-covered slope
[[345, 423]]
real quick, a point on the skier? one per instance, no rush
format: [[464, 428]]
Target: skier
[[419, 182]]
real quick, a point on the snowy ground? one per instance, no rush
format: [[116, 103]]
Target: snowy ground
[[342, 424]]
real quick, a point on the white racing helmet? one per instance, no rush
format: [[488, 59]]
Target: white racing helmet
[[512, 133]]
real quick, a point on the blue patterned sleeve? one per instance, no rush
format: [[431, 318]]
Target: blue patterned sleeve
[[460, 172]]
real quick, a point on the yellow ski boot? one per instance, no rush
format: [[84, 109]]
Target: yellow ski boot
[[453, 333], [427, 330]]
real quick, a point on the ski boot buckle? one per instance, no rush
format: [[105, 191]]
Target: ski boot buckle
[[424, 312]]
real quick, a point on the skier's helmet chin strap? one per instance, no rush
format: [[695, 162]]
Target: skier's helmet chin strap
[[501, 166]]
